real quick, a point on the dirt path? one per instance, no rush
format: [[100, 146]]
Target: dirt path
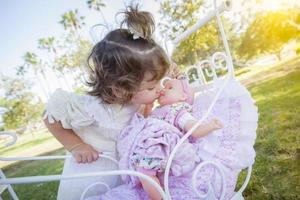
[[265, 73]]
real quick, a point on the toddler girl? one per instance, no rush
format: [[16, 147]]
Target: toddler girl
[[125, 69]]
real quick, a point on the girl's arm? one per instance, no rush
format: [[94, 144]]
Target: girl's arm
[[82, 152], [203, 129], [149, 189]]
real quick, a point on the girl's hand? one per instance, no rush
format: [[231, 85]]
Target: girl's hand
[[84, 153]]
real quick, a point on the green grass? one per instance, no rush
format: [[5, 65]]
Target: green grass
[[276, 172], [37, 191]]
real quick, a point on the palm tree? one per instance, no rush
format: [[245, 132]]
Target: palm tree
[[21, 70], [48, 44], [97, 5], [72, 21], [31, 60]]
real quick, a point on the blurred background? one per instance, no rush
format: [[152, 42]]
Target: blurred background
[[44, 46]]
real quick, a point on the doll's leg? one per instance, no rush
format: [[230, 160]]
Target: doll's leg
[[149, 189]]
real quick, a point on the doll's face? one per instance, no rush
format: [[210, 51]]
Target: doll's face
[[172, 93]]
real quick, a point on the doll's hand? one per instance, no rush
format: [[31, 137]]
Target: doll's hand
[[216, 124], [84, 153], [174, 71]]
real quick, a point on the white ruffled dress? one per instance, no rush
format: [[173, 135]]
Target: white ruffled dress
[[97, 124]]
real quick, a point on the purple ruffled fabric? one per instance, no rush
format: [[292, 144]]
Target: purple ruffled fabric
[[154, 138]]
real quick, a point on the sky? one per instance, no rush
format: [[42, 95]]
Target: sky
[[23, 22]]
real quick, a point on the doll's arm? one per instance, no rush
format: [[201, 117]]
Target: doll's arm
[[148, 109], [203, 129], [145, 110], [150, 189], [175, 71]]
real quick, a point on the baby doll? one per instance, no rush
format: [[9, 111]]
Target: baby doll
[[177, 97], [161, 130]]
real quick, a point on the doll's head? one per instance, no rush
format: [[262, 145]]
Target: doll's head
[[175, 90]]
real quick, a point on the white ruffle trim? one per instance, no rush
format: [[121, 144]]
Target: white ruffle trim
[[76, 112], [235, 142], [68, 109]]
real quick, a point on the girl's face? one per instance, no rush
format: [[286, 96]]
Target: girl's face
[[149, 91], [172, 93]]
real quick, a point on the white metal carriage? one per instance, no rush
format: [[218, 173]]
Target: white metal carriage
[[205, 79]]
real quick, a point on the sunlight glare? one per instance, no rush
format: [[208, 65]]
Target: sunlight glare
[[272, 5]]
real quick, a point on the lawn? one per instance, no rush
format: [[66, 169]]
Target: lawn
[[29, 145], [38, 191], [276, 172]]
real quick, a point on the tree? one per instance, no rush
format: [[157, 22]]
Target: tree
[[49, 45], [72, 21], [74, 46], [178, 16], [74, 62], [97, 5], [21, 106], [269, 32], [31, 60]]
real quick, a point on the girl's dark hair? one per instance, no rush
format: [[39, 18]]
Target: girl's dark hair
[[119, 62]]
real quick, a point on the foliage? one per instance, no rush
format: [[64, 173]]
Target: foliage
[[72, 21], [48, 44], [22, 107], [269, 32], [29, 59], [177, 16], [95, 4], [75, 48], [77, 58]]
